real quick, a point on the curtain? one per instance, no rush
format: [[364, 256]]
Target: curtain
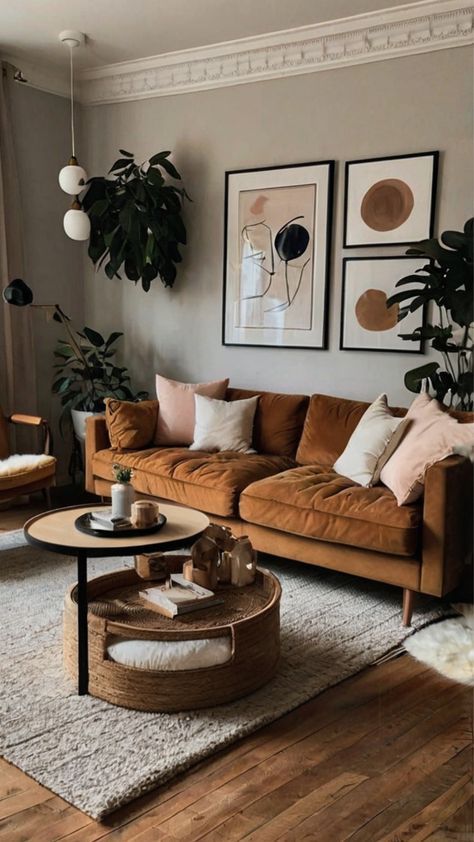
[[17, 358]]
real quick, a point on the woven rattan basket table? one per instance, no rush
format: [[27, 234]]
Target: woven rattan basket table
[[56, 532], [249, 616]]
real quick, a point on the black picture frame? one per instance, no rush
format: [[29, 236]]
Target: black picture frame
[[402, 350], [434, 154], [328, 236]]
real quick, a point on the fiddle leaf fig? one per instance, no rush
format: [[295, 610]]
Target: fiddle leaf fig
[[136, 219]]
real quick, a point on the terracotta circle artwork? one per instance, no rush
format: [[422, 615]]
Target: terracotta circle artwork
[[372, 313], [387, 204]]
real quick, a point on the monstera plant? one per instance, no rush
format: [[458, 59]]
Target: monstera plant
[[136, 222], [447, 281]]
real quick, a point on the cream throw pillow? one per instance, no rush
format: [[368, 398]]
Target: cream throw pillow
[[366, 450], [432, 436], [224, 425]]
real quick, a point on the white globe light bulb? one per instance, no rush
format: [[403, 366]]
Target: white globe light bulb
[[72, 179], [77, 224]]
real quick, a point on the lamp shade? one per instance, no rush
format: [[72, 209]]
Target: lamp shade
[[76, 223], [18, 293], [72, 179]]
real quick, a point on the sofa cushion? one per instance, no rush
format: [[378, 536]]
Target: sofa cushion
[[328, 426], [211, 482], [316, 502], [131, 425], [278, 421]]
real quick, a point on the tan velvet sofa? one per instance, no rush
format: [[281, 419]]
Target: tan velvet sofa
[[291, 503]]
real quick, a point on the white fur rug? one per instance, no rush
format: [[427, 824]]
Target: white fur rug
[[98, 756], [448, 646]]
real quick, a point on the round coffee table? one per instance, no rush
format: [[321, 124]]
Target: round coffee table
[[245, 628], [55, 531]]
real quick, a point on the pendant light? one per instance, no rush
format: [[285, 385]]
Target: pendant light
[[73, 177]]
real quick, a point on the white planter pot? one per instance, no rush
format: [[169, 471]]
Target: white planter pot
[[79, 418], [123, 496]]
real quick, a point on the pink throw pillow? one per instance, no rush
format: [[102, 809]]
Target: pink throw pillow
[[176, 413], [431, 436]]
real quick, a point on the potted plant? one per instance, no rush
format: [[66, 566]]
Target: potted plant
[[86, 373], [122, 491], [447, 281], [135, 215]]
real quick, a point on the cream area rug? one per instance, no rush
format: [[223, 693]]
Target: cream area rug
[[448, 646], [98, 756]]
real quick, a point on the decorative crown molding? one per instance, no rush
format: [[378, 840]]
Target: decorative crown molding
[[388, 33]]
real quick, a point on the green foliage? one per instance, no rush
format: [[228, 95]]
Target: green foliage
[[86, 373], [447, 281], [121, 473], [136, 223]]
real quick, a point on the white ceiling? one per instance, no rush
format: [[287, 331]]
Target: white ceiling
[[121, 30]]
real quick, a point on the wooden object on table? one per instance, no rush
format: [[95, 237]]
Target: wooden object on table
[[243, 562], [249, 616], [202, 569], [144, 513]]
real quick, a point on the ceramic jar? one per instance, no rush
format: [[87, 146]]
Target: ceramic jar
[[123, 496]]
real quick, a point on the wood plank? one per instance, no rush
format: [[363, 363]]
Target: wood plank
[[420, 755], [459, 826], [266, 812], [324, 746], [305, 720], [420, 826], [439, 765]]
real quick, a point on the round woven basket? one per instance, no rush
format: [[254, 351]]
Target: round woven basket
[[249, 616]]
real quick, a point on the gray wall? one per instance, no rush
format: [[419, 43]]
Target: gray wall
[[53, 263], [411, 104]]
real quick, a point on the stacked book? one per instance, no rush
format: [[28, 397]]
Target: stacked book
[[104, 519], [180, 596]]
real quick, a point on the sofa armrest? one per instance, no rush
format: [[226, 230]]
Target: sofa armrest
[[447, 524], [97, 438]]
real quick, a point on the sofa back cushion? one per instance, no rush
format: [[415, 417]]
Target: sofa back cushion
[[278, 421], [329, 424], [131, 426]]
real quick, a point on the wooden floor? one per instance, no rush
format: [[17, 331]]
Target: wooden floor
[[385, 755]]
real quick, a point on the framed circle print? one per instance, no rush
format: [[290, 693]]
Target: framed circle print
[[276, 256], [390, 201], [366, 322]]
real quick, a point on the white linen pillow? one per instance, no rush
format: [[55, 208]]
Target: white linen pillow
[[366, 451], [224, 425]]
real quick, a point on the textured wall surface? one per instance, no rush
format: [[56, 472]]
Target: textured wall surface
[[411, 104]]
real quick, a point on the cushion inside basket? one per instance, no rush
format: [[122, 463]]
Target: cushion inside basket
[[170, 654]]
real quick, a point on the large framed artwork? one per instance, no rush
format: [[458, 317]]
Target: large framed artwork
[[390, 201], [276, 255], [366, 323]]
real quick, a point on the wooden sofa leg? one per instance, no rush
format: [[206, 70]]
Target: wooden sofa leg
[[408, 602]]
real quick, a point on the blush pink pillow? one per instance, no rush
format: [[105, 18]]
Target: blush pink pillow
[[431, 436], [176, 413]]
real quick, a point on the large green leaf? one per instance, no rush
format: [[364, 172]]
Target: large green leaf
[[170, 169], [120, 164], [94, 337], [159, 157], [414, 378]]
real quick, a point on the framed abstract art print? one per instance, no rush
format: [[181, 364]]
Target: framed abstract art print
[[390, 201], [276, 255], [366, 322]]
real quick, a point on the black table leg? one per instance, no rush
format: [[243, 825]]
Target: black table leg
[[82, 631]]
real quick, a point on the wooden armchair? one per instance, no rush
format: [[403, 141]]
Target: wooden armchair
[[28, 472]]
